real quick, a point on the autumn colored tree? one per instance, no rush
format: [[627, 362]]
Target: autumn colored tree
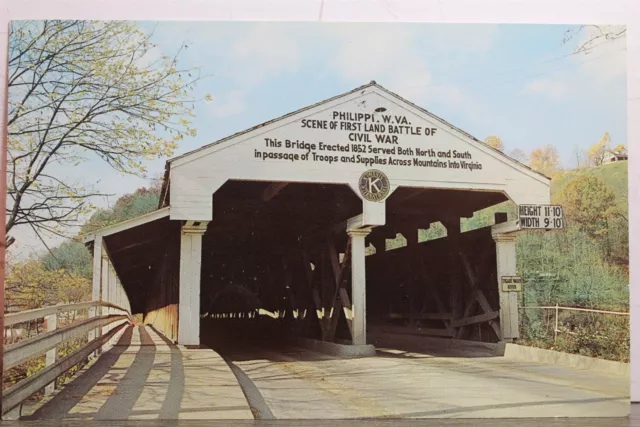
[[494, 142], [545, 160], [620, 148], [29, 285], [86, 90], [140, 202], [598, 151], [589, 204]]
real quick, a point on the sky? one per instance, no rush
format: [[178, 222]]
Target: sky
[[522, 83]]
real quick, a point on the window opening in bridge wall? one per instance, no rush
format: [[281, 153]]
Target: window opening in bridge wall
[[486, 217], [370, 250], [435, 231], [400, 241]]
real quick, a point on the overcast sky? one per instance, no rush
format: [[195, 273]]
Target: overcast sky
[[520, 82]]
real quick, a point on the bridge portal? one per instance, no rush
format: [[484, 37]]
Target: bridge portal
[[287, 224]]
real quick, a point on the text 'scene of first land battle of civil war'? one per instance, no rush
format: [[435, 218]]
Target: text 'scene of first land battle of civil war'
[[371, 140]]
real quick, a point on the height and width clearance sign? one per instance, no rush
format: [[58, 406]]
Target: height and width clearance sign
[[541, 216]]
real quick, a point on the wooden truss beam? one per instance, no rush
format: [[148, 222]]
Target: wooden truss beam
[[477, 296]]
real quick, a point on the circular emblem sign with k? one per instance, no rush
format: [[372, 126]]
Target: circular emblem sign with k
[[374, 185]]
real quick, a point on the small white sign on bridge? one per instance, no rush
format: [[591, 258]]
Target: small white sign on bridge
[[511, 284], [541, 216]]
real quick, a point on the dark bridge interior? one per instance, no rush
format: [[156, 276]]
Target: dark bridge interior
[[283, 248]]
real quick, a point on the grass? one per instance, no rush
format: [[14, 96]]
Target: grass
[[615, 175]]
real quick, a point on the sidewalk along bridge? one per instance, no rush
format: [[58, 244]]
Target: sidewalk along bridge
[[98, 322], [142, 375]]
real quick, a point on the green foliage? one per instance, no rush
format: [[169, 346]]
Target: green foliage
[[399, 242], [22, 371], [87, 90], [142, 201], [569, 268], [576, 267], [614, 175], [485, 217], [595, 335], [589, 334], [30, 285], [585, 265], [66, 349], [69, 256], [435, 231], [589, 204]]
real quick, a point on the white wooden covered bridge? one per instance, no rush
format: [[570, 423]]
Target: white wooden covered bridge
[[278, 218]]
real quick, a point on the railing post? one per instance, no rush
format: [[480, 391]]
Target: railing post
[[51, 322], [96, 293], [555, 330]]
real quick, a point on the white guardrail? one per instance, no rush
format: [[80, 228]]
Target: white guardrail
[[557, 308], [48, 342]]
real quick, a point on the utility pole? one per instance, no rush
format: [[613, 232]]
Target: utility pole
[[4, 122]]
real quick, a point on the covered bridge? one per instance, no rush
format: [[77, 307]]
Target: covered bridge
[[285, 217]]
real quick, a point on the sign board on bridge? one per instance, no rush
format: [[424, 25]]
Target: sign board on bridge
[[541, 216], [511, 283], [370, 139]]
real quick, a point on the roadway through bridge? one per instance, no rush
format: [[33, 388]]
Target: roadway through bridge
[[145, 376]]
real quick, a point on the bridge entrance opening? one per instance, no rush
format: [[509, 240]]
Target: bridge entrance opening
[[254, 286], [290, 229], [431, 277], [275, 278]]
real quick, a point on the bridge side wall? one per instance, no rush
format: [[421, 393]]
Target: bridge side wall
[[161, 310], [425, 287]]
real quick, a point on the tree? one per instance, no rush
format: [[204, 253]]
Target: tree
[[72, 257], [581, 157], [545, 160], [71, 260], [588, 203], [494, 142], [598, 151], [29, 285], [620, 148], [140, 202], [82, 90], [519, 155], [594, 36]]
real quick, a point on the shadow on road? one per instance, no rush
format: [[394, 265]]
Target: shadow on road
[[121, 402], [170, 409], [62, 403]]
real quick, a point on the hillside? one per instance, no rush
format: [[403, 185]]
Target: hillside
[[615, 175]]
